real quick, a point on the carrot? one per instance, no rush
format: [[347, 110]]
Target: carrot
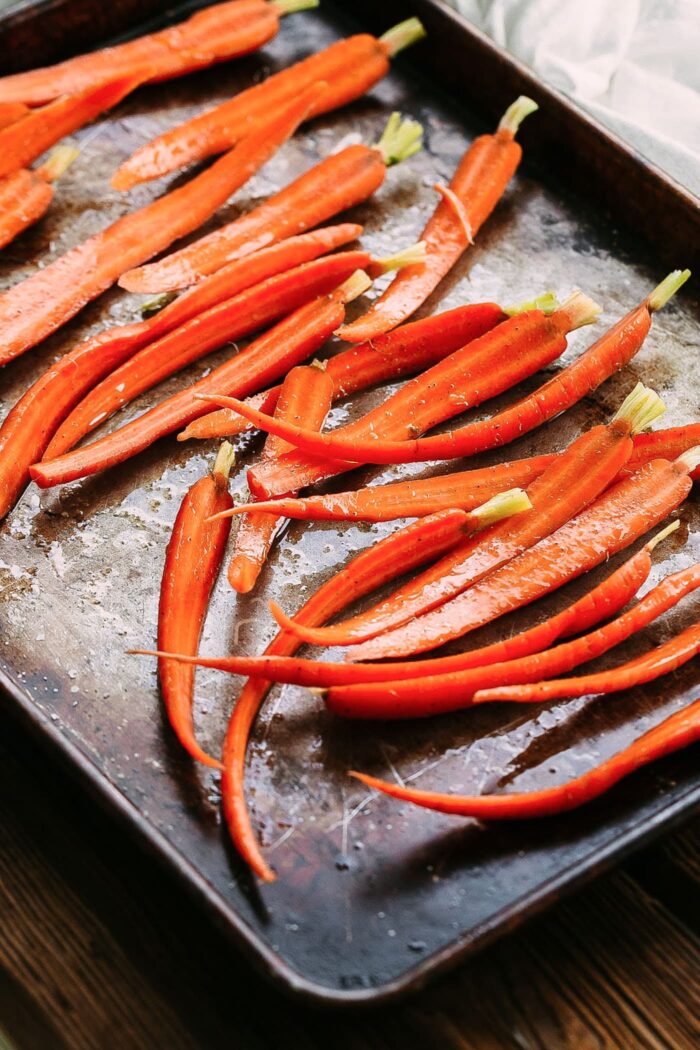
[[476, 188], [333, 185], [600, 603], [222, 31], [10, 112], [678, 731], [290, 341], [349, 68], [39, 305], [306, 395], [564, 488], [478, 371], [407, 350], [26, 195], [607, 355], [615, 520], [435, 694], [664, 444], [249, 311], [192, 562], [24, 141]]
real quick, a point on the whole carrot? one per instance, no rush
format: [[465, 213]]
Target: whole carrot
[[306, 396], [26, 195], [348, 67], [570, 483], [606, 356], [39, 305], [678, 731], [331, 186], [222, 31], [615, 520], [433, 694], [289, 342], [192, 562], [476, 188]]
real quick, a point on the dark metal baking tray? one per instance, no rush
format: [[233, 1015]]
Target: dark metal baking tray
[[372, 897]]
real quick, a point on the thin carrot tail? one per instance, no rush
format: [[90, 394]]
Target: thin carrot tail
[[400, 139], [502, 505], [656, 540], [58, 163], [579, 310], [547, 303], [640, 409], [667, 289], [515, 114], [290, 7], [402, 36]]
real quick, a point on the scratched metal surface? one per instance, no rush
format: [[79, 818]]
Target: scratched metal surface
[[370, 894]]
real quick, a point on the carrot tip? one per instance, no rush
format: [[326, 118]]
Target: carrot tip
[[158, 303], [402, 36], [516, 113], [547, 303], [667, 289], [400, 139], [640, 408], [225, 460], [656, 540], [290, 7]]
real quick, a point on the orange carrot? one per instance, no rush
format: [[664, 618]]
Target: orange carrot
[[335, 184], [10, 112], [26, 195], [305, 395], [476, 188], [34, 308], [348, 67]]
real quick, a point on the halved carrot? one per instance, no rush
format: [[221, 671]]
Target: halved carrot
[[222, 31], [476, 188], [192, 562], [678, 731], [26, 195], [349, 68], [331, 186], [615, 520], [565, 487], [306, 395], [39, 305]]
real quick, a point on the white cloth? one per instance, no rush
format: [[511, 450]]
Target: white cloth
[[634, 64]]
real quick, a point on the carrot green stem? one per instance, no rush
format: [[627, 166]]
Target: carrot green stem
[[415, 253], [402, 36], [656, 540], [502, 505], [580, 310], [640, 408], [667, 289], [547, 303], [516, 113], [225, 459], [355, 286], [400, 139], [157, 303], [59, 161], [290, 7], [690, 459]]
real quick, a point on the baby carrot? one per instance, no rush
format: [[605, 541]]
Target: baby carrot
[[348, 67], [678, 731], [222, 31], [476, 188], [333, 185], [11, 112], [26, 195], [607, 355], [195, 552], [433, 694], [570, 483], [39, 305], [306, 395], [615, 520], [289, 342]]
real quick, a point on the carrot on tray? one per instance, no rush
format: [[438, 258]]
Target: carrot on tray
[[616, 519], [39, 305], [222, 31], [476, 188], [271, 355], [603, 601], [677, 731], [192, 562], [348, 67], [25, 195], [306, 395], [514, 350], [564, 488], [606, 356], [331, 186]]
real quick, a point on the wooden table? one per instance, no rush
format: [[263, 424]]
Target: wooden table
[[97, 950]]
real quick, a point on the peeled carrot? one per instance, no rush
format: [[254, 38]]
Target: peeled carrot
[[607, 355], [478, 371], [335, 184], [289, 342], [26, 195], [10, 112], [306, 396], [348, 67], [564, 488], [39, 305], [195, 552], [249, 311], [615, 520], [476, 188], [433, 694], [222, 31], [678, 731]]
